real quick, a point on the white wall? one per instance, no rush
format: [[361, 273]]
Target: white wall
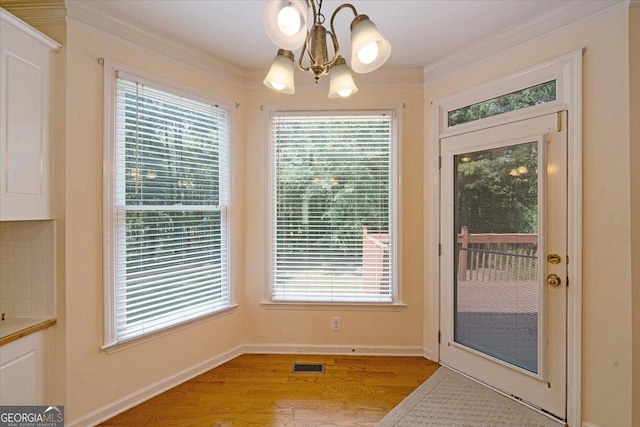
[[372, 330]]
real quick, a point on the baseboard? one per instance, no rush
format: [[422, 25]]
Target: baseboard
[[148, 392], [368, 350], [428, 354], [584, 424]]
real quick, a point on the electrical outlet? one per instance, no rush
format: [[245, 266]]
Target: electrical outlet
[[335, 324]]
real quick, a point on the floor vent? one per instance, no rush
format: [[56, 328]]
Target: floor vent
[[313, 368]]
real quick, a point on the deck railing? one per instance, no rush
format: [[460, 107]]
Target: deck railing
[[375, 258], [482, 257], [497, 256]]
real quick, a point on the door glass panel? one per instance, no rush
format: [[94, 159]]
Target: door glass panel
[[496, 256]]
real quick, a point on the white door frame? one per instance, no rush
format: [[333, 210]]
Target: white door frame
[[567, 71]]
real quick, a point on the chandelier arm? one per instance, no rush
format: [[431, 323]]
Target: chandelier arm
[[336, 49], [315, 11], [334, 38], [335, 12], [308, 49], [312, 4], [304, 49]]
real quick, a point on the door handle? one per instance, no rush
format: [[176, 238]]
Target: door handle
[[554, 280]]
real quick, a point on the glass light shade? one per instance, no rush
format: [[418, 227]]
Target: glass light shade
[[279, 24], [289, 20], [280, 76], [366, 41], [341, 84]]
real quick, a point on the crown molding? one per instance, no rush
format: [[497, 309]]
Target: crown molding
[[568, 15], [17, 23], [43, 12], [634, 3], [95, 19], [385, 77], [390, 77]]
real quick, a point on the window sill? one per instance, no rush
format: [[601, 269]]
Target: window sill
[[349, 306], [123, 345]]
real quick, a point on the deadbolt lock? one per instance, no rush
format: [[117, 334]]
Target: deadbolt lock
[[554, 280], [554, 258]]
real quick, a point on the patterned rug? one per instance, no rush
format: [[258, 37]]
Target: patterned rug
[[448, 399]]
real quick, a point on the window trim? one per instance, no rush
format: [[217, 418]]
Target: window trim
[[396, 201], [111, 343]]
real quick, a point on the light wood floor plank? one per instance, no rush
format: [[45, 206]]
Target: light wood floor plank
[[260, 390]]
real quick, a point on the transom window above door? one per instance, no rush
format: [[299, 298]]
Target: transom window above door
[[513, 101]]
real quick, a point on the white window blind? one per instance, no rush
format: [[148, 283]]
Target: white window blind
[[332, 195], [170, 213]]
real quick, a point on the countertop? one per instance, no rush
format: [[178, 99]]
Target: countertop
[[17, 327]]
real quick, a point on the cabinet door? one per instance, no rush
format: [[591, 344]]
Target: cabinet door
[[25, 159], [22, 371]]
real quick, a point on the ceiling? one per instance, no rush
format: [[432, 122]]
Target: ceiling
[[421, 32]]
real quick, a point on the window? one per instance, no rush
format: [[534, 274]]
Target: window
[[332, 197], [534, 95], [167, 226]]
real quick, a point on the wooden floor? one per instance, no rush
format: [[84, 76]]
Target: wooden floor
[[261, 390]]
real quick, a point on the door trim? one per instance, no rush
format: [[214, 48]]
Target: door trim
[[567, 70]]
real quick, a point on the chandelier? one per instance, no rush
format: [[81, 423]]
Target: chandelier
[[286, 24]]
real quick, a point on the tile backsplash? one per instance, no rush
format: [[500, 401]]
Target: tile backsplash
[[26, 268]]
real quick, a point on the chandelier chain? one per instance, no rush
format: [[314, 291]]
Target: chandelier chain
[[319, 16]]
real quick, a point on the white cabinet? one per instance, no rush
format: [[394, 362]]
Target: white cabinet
[[23, 370], [26, 75]]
